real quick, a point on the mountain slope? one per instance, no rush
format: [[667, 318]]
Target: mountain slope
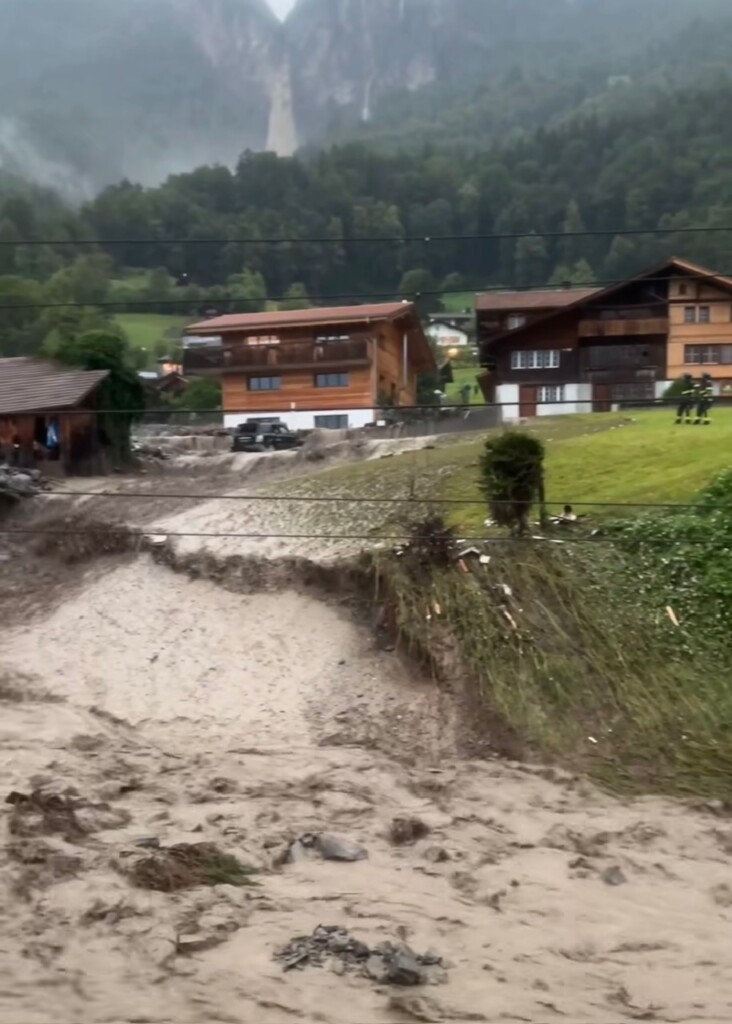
[[95, 90]]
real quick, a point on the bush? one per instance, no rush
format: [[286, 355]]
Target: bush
[[512, 478], [683, 560]]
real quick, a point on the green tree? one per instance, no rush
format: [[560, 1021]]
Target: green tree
[[572, 249], [420, 287], [21, 331], [86, 280], [121, 397], [531, 261], [296, 297], [249, 289], [201, 394]]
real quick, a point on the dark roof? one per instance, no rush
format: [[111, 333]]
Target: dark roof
[[673, 264], [302, 317], [39, 385], [550, 298]]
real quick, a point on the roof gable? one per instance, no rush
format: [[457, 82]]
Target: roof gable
[[597, 295], [40, 385]]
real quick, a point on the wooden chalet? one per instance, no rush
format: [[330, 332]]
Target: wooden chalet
[[332, 367], [48, 417], [621, 344]]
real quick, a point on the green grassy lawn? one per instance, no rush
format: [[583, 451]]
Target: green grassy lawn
[[637, 457], [145, 330], [588, 668], [464, 375], [458, 302]]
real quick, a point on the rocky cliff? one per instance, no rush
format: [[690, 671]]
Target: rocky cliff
[[94, 90]]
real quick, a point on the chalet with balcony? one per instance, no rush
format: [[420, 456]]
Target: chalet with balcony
[[499, 312], [625, 343], [333, 368]]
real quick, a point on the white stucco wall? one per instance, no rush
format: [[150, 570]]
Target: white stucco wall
[[577, 398], [446, 336], [507, 395], [306, 420]]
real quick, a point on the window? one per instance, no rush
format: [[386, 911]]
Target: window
[[514, 321], [550, 394], [706, 355], [704, 315], [331, 422], [265, 383], [258, 340], [331, 380], [683, 289], [690, 315], [542, 359]]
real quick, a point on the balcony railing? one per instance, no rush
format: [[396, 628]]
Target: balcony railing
[[301, 355], [623, 323]]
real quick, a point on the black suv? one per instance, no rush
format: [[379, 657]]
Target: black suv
[[264, 435]]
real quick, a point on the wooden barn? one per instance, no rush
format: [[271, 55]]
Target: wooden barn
[[48, 417]]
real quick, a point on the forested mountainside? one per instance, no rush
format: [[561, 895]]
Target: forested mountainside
[[667, 167], [92, 91]]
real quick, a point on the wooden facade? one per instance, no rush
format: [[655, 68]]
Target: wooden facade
[[623, 344], [48, 417], [351, 361]]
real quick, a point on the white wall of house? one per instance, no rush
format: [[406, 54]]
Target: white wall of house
[[507, 396], [577, 398], [296, 420], [660, 387], [446, 336]]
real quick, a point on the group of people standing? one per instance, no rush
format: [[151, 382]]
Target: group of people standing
[[697, 398]]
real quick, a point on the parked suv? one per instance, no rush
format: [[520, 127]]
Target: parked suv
[[264, 435]]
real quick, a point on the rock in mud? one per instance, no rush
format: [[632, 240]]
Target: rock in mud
[[614, 876], [329, 847], [406, 830], [335, 848]]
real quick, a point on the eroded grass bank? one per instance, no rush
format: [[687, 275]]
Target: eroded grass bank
[[580, 666]]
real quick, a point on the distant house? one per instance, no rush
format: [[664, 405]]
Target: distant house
[[625, 343], [48, 416], [449, 331], [333, 367], [172, 383]]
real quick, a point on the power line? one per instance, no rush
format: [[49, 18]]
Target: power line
[[358, 500], [375, 239], [132, 533], [350, 298]]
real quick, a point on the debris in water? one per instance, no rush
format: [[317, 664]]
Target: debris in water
[[614, 876], [65, 813], [387, 963], [405, 830], [672, 615], [329, 847], [186, 866]]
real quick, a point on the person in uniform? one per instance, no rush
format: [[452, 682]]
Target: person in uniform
[[705, 400], [689, 399]]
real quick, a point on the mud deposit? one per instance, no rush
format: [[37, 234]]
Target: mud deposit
[[184, 761]]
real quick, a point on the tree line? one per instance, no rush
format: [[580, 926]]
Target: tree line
[[663, 167]]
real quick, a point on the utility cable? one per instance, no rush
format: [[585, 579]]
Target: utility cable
[[361, 239]]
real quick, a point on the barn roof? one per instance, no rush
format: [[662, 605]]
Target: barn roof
[[40, 385]]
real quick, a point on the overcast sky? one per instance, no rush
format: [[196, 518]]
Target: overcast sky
[[281, 7]]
